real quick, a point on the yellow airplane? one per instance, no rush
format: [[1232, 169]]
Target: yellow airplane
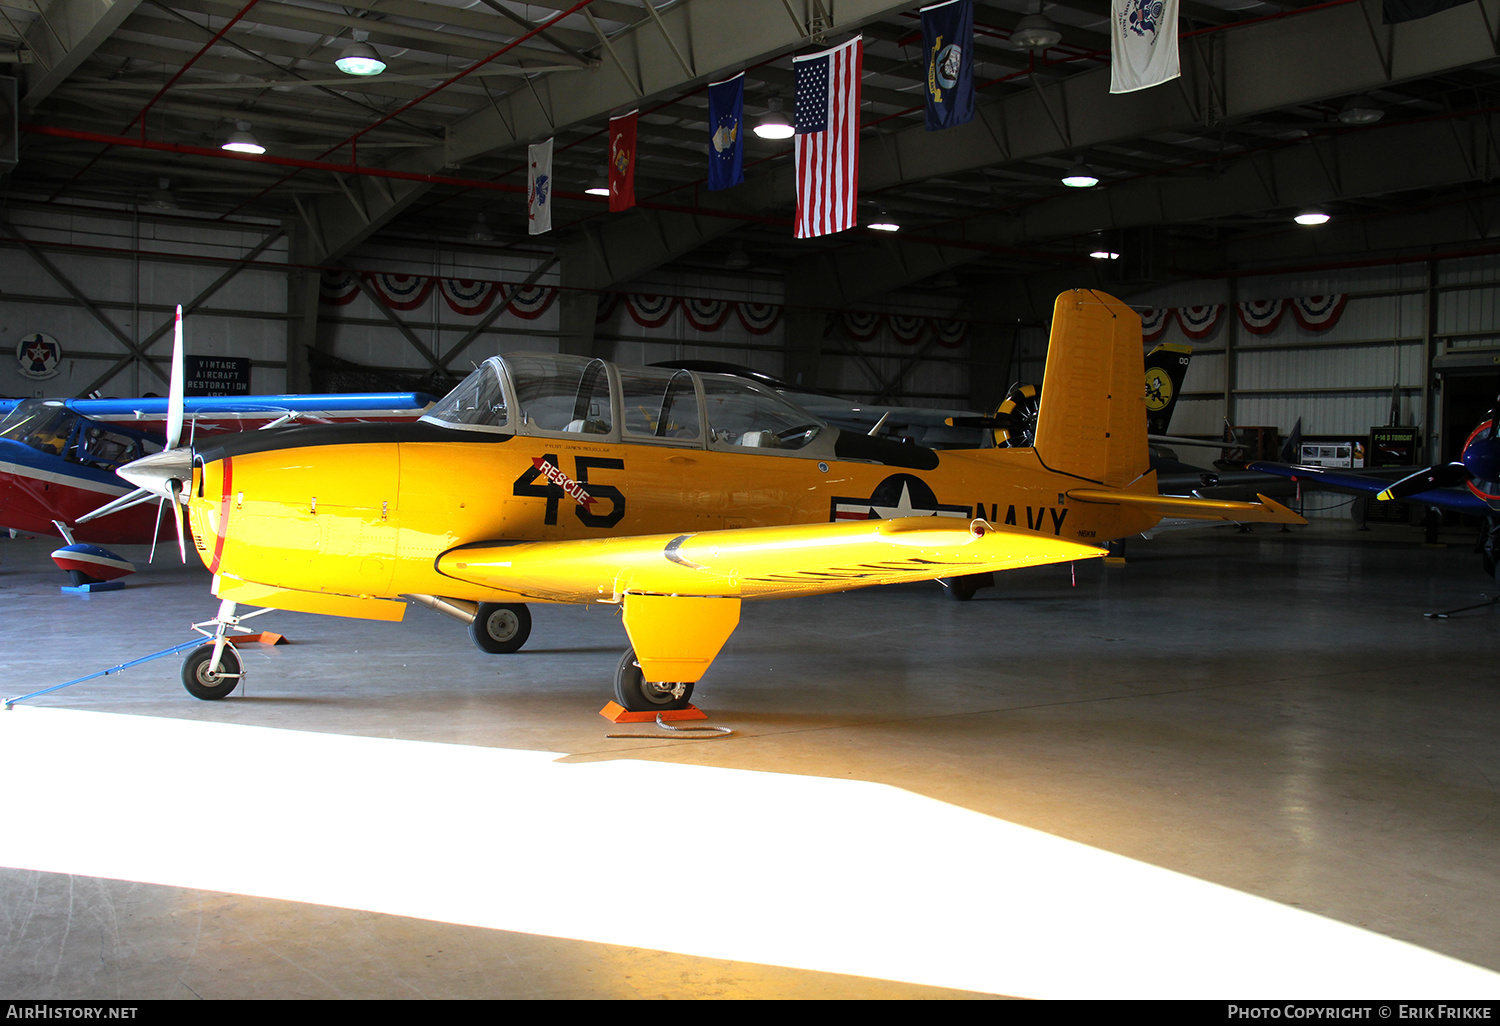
[[673, 495]]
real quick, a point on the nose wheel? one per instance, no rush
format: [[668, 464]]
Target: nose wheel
[[208, 680], [636, 694]]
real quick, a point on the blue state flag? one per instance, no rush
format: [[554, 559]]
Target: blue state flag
[[948, 48], [726, 143]]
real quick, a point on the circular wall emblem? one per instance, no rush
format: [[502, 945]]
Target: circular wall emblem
[[40, 356]]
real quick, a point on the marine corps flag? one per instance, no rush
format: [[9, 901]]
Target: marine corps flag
[[1143, 44], [539, 187], [948, 47], [726, 147], [622, 162]]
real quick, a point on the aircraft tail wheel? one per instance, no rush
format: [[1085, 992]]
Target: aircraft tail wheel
[[201, 683], [636, 694], [500, 627]]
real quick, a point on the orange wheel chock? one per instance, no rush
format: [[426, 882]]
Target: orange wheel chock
[[616, 713]]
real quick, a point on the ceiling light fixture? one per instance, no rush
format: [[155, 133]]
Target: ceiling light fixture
[[480, 232], [883, 222], [1312, 216], [1035, 32], [161, 198], [359, 57], [737, 259], [1360, 110], [773, 124], [242, 141], [600, 185], [1080, 176]]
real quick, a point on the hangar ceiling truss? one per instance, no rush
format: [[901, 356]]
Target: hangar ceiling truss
[[1202, 173]]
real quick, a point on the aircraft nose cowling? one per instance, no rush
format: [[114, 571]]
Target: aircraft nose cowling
[[1482, 459], [155, 473]]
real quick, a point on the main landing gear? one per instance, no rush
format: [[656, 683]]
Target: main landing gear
[[636, 694], [500, 627]]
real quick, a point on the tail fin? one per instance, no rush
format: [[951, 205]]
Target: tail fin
[[1092, 422], [1166, 366]]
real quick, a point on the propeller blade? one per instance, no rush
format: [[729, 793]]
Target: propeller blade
[[129, 499], [155, 530], [1443, 476], [177, 518], [176, 387]]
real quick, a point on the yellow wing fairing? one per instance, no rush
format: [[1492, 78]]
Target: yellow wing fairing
[[767, 562]]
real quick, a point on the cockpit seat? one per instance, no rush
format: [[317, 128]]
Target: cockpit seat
[[760, 440]]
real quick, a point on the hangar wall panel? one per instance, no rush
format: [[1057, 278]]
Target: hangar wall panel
[[134, 271]]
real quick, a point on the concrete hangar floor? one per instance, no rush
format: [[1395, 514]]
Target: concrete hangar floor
[[1238, 766]]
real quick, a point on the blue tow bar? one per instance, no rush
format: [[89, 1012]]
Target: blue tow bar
[[114, 669]]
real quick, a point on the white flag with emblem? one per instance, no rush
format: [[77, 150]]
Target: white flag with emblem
[[1143, 50], [539, 187]]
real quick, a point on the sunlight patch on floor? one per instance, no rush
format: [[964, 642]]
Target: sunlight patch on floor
[[807, 872]]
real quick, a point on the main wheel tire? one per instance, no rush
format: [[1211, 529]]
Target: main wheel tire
[[961, 589], [201, 683], [500, 627], [635, 694]]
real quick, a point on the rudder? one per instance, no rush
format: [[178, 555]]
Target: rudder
[[1092, 422]]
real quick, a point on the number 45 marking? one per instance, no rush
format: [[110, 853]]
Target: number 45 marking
[[555, 485]]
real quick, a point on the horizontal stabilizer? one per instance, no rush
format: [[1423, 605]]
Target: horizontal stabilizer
[[760, 562], [1266, 511]]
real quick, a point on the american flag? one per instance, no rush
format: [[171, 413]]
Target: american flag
[[827, 119]]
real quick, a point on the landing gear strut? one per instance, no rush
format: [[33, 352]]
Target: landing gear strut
[[211, 672], [636, 694]]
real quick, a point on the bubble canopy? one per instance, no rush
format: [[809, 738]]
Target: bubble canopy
[[556, 395]]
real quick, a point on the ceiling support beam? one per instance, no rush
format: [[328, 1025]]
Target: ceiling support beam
[[1227, 81], [67, 32]]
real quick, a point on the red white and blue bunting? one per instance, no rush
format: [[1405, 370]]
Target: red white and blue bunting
[[705, 314], [1318, 313], [907, 330], [468, 297], [950, 334], [1199, 322], [650, 311], [338, 288], [757, 318], [861, 326], [1260, 316], [401, 291], [531, 302], [1154, 323]]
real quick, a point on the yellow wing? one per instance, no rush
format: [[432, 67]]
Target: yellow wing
[[760, 562], [1266, 511]]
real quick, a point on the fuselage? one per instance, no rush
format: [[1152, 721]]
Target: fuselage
[[367, 511]]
